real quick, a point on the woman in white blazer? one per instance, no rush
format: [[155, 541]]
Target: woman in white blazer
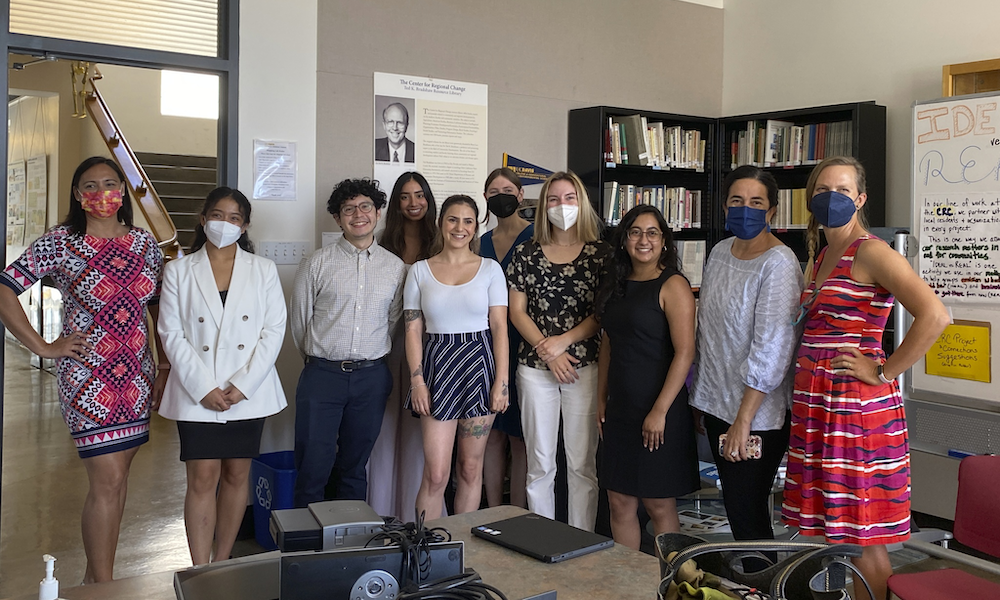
[[222, 321]]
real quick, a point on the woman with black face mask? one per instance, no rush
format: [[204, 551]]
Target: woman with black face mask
[[848, 458], [504, 193], [746, 343]]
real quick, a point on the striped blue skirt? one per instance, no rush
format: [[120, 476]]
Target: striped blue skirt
[[459, 372]]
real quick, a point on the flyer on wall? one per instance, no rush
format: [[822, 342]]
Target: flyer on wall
[[435, 127]]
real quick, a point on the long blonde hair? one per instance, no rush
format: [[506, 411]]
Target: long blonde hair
[[812, 231], [587, 221]]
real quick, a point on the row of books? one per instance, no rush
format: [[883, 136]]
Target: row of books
[[681, 207], [783, 144], [792, 212], [691, 254], [632, 140]]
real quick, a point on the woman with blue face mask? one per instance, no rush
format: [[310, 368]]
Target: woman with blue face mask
[[848, 459], [746, 343]]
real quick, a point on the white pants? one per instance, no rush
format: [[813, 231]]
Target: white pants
[[542, 400]]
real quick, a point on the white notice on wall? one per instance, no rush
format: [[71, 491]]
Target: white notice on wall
[[36, 198], [273, 170], [960, 245]]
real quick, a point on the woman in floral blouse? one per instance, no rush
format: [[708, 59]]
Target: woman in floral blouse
[[553, 279]]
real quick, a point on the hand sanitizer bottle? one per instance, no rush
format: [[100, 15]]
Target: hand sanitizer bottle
[[48, 588]]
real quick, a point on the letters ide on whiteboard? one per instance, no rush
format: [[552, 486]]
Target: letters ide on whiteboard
[[956, 190]]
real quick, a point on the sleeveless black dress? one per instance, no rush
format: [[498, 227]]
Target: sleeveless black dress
[[641, 352]]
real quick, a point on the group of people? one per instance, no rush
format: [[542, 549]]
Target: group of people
[[432, 338]]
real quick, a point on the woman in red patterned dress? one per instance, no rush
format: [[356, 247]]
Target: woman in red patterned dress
[[108, 272], [848, 457]]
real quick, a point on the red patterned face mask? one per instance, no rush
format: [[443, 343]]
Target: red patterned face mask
[[102, 203]]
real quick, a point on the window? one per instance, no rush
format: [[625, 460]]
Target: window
[[185, 94]]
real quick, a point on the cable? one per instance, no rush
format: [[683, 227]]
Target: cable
[[414, 542], [468, 586]]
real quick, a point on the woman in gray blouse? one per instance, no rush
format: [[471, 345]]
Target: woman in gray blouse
[[746, 344]]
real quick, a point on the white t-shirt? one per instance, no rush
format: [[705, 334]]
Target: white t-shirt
[[455, 308]]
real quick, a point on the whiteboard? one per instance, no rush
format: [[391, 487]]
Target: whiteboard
[[956, 218]]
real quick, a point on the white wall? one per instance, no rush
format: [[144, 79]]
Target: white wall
[[781, 54], [278, 102]]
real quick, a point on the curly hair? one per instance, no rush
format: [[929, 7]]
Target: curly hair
[[352, 188], [620, 266]]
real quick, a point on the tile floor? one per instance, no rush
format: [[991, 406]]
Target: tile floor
[[44, 485]]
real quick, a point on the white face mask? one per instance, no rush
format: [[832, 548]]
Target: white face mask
[[563, 216], [222, 233]]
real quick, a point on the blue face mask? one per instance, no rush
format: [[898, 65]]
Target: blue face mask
[[832, 209], [746, 222]]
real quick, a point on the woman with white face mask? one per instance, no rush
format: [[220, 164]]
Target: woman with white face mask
[[553, 280], [222, 323]]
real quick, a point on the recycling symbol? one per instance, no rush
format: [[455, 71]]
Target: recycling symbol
[[263, 492]]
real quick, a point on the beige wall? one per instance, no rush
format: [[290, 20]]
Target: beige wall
[[54, 77], [539, 59], [788, 54], [133, 95], [34, 130]]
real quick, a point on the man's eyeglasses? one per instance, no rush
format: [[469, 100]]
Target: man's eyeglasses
[[395, 124], [635, 234], [365, 207]]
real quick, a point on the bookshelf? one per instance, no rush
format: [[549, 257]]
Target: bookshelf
[[680, 167], [783, 139]]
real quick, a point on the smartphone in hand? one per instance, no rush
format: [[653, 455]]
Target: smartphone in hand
[[753, 446]]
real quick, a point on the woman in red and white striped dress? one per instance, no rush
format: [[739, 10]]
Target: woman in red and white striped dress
[[848, 459]]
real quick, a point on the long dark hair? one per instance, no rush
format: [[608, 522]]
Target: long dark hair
[[213, 198], [76, 219], [438, 245], [393, 238], [620, 269]]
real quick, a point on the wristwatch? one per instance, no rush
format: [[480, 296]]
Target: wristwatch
[[881, 375]]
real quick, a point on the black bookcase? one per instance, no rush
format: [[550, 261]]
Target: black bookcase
[[586, 157], [868, 132]]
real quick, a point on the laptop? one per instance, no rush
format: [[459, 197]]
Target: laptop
[[538, 537]]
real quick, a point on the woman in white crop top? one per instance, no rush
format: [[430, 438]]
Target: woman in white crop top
[[459, 378]]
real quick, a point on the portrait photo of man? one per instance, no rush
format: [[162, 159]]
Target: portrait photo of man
[[395, 147]]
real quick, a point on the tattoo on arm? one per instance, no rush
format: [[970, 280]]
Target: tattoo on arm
[[506, 387], [417, 370], [411, 315]]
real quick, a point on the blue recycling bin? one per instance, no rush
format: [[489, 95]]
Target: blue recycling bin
[[272, 481]]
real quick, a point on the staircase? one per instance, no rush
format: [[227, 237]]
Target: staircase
[[182, 183]]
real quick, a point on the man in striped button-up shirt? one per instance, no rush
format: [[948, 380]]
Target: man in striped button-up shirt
[[346, 301]]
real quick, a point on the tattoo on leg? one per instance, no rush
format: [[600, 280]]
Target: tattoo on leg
[[411, 315], [506, 388], [476, 428]]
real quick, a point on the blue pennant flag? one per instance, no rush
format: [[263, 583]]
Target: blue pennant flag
[[528, 172]]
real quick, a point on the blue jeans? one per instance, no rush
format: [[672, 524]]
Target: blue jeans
[[338, 416]]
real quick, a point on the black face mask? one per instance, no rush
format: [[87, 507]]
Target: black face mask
[[502, 205]]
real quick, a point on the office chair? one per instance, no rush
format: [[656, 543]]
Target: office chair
[[977, 525]]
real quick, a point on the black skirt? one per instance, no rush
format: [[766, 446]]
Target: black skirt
[[235, 439]]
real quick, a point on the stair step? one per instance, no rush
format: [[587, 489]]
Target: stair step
[[154, 159], [176, 173], [182, 205], [185, 221], [186, 190]]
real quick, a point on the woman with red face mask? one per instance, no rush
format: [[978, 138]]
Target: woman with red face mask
[[108, 272]]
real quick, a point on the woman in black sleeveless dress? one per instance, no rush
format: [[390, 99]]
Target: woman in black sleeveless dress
[[647, 312]]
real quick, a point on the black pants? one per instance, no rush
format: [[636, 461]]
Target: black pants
[[746, 485]]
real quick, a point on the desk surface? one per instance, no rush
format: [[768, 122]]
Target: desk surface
[[615, 572]]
